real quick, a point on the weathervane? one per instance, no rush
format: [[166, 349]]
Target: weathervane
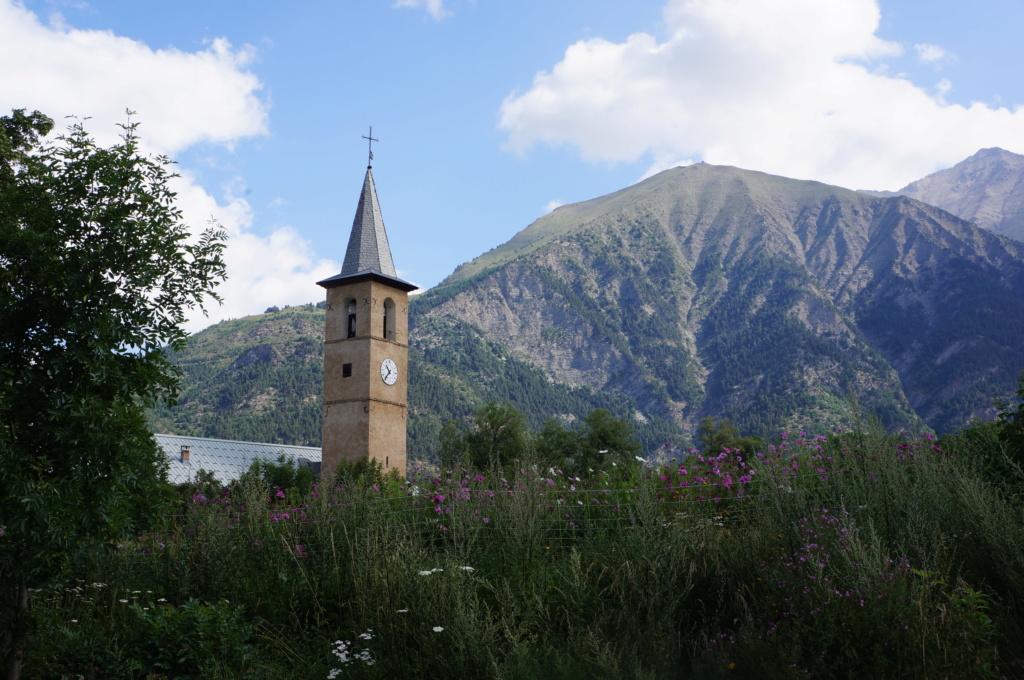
[[370, 144]]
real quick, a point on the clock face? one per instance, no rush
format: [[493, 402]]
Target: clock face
[[388, 372]]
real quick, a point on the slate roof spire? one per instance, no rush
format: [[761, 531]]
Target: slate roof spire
[[368, 254], [368, 248]]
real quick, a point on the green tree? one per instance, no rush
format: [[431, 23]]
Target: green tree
[[602, 436], [499, 435], [556, 443], [1011, 422], [97, 274], [282, 474], [714, 436], [599, 437]]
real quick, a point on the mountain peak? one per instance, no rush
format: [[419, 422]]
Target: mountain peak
[[686, 190], [993, 152], [987, 189]]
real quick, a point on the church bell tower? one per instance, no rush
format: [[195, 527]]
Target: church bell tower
[[366, 347]]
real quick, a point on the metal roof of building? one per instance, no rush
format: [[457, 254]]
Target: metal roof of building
[[226, 459]]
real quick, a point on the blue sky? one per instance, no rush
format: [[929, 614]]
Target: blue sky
[[489, 112]]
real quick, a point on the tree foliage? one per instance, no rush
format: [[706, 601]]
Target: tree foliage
[[1011, 423], [716, 435], [97, 274], [281, 474], [996, 447], [499, 435]]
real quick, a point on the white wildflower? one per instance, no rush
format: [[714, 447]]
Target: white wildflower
[[467, 568], [438, 629], [341, 651]]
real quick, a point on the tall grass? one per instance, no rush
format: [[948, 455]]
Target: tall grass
[[861, 555]]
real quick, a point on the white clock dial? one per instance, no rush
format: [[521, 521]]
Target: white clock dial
[[388, 372]]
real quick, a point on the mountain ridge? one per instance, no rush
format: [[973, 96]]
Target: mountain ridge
[[986, 189], [844, 239]]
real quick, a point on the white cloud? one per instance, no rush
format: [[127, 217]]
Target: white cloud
[[932, 54], [435, 8], [793, 87], [182, 99], [552, 204], [278, 269]]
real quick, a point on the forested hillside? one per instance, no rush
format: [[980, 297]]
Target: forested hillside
[[253, 379]]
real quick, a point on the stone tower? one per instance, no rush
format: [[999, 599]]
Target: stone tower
[[366, 347]]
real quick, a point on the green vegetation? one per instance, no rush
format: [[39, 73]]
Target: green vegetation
[[457, 370], [997, 446], [755, 343], [259, 378], [97, 273], [860, 554], [284, 473], [499, 437], [716, 436], [976, 323]]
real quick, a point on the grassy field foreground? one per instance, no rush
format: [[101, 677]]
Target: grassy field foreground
[[844, 556]]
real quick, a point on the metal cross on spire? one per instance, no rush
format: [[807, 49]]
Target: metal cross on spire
[[370, 144]]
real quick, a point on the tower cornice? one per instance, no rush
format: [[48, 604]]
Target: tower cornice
[[344, 279]]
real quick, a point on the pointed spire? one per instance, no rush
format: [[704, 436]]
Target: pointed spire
[[368, 255], [368, 249]]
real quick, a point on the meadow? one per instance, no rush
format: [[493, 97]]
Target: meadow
[[853, 555]]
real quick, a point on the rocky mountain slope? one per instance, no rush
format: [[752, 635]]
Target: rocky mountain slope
[[700, 291], [716, 291], [986, 189]]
